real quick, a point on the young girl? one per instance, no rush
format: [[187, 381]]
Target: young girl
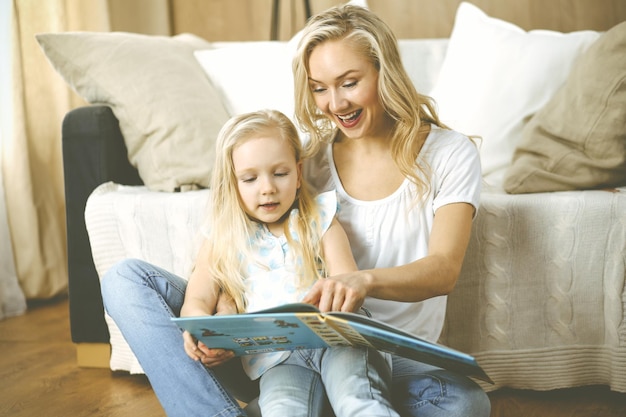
[[267, 242]]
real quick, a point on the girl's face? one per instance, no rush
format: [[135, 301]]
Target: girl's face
[[268, 178], [344, 84]]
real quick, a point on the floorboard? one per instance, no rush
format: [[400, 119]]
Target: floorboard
[[39, 377]]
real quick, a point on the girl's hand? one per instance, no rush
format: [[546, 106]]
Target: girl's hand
[[345, 292], [198, 351]]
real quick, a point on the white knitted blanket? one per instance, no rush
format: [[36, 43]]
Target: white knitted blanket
[[540, 301]]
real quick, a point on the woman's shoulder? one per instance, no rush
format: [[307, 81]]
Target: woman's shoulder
[[448, 142], [317, 169], [449, 136]]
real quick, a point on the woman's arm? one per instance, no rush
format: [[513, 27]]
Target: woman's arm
[[435, 274]]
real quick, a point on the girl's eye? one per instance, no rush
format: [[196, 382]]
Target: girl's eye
[[248, 179], [281, 174]]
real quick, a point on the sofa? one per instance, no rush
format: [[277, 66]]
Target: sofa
[[540, 302]]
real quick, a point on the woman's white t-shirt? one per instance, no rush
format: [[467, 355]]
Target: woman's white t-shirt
[[395, 230]]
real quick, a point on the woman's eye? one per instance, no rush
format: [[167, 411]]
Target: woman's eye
[[281, 174], [350, 84], [317, 90]]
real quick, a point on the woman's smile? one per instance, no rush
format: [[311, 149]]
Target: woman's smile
[[351, 119]]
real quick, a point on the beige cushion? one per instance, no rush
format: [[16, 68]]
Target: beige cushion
[[169, 112], [578, 140]]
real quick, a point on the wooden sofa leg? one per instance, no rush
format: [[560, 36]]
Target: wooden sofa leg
[[93, 355]]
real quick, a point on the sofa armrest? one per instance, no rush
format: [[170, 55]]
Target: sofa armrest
[[94, 152]]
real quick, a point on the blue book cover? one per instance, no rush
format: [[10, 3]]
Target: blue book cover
[[303, 326]]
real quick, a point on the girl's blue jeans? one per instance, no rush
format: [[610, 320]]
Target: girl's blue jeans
[[141, 298], [355, 381]]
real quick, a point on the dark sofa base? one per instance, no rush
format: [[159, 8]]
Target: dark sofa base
[[94, 152]]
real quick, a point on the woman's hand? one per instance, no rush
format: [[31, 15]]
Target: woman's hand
[[344, 292], [198, 351]]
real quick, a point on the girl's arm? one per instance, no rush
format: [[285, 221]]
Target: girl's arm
[[336, 249], [201, 299], [435, 274], [339, 260], [202, 291]]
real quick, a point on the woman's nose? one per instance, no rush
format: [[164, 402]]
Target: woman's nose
[[337, 102]]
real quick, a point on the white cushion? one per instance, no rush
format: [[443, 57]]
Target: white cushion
[[251, 76], [496, 76], [422, 60]]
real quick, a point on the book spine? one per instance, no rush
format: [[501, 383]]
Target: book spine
[[351, 335], [319, 325]]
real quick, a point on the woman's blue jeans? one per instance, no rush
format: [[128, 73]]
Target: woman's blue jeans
[[141, 298]]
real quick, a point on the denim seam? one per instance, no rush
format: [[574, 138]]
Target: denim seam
[[150, 277], [436, 400]]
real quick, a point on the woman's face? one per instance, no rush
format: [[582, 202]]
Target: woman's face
[[344, 84]]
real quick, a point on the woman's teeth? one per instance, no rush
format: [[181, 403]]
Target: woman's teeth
[[348, 117]]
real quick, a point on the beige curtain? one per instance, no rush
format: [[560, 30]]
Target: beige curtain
[[12, 301], [32, 169]]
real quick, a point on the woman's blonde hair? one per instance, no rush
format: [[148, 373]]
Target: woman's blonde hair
[[230, 227], [412, 112]]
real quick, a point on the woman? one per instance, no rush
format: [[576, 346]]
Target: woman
[[408, 187]]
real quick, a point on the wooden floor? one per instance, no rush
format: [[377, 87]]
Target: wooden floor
[[39, 377]]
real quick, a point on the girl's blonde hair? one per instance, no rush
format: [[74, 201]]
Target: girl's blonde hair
[[368, 34], [230, 227]]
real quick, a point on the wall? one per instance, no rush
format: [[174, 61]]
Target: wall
[[221, 20]]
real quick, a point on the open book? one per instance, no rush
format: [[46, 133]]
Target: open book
[[303, 326]]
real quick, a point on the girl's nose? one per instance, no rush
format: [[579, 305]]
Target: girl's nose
[[267, 185]]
